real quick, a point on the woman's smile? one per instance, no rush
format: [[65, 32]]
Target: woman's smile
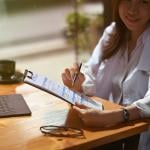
[[132, 20]]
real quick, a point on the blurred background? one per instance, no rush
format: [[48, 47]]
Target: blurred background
[[46, 36]]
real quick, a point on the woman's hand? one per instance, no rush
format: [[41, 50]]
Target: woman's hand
[[96, 118], [68, 75]]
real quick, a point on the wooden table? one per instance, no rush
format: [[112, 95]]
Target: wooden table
[[22, 133]]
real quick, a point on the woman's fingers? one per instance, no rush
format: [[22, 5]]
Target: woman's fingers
[[68, 74], [81, 77], [81, 106], [76, 67], [66, 77], [79, 111], [72, 72]]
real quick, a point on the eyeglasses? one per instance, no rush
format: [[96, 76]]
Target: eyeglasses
[[61, 131]]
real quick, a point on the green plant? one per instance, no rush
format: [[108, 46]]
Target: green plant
[[83, 25], [79, 28], [83, 22]]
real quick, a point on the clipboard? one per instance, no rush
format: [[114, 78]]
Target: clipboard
[[59, 90]]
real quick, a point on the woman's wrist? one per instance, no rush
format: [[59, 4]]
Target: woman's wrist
[[133, 112], [129, 113], [114, 117]]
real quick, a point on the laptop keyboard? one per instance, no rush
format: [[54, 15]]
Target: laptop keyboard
[[4, 105], [13, 105]]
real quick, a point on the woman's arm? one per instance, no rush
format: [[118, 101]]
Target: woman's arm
[[106, 118], [88, 78], [93, 65], [144, 104]]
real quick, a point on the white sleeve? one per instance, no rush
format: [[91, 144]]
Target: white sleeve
[[92, 66], [144, 104]]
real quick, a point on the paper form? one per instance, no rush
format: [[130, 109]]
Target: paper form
[[59, 90]]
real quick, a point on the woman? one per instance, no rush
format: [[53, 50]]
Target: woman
[[119, 69]]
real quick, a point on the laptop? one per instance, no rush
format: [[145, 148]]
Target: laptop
[[13, 105]]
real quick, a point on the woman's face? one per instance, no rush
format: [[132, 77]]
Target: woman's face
[[135, 14]]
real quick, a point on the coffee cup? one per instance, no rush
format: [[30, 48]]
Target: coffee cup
[[7, 69]]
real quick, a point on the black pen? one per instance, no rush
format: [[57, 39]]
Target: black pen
[[76, 75]]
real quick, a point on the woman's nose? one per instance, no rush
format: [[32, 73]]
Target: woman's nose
[[133, 8]]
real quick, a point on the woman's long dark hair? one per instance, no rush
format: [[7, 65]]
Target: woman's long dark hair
[[120, 35]]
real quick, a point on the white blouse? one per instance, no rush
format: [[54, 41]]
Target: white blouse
[[120, 79]]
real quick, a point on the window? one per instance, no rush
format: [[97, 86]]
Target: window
[[30, 27], [28, 22]]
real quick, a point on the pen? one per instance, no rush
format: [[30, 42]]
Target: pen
[[76, 75]]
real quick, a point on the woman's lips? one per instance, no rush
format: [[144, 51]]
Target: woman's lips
[[132, 19]]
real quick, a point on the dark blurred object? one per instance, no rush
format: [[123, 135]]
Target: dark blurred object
[[93, 0], [13, 6], [7, 68], [8, 72], [107, 12]]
